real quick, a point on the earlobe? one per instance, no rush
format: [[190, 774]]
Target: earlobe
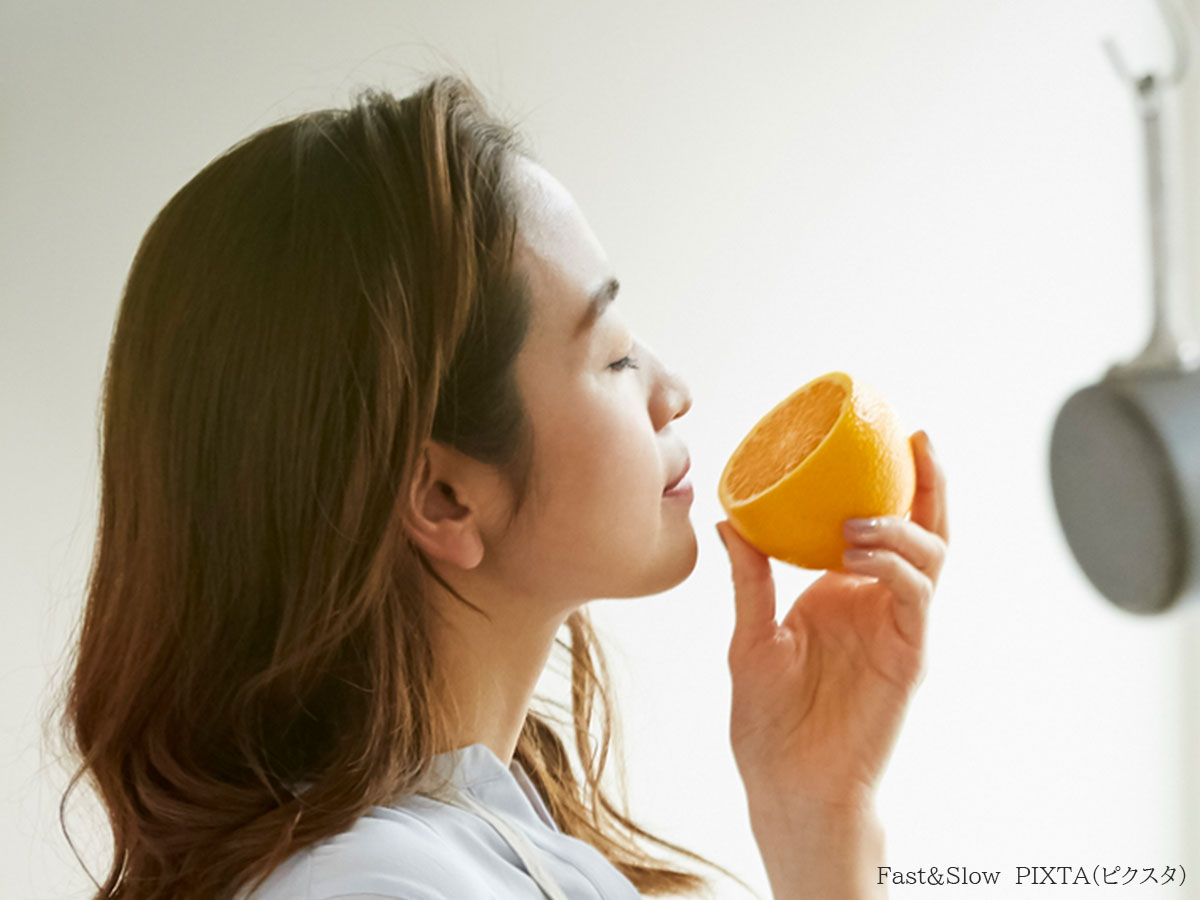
[[440, 522]]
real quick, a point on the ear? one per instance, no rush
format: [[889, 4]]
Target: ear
[[443, 514]]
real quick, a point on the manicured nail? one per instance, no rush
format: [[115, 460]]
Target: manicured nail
[[861, 528]]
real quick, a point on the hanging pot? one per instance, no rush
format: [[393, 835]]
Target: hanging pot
[[1125, 453]]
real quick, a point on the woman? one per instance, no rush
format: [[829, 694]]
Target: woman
[[373, 432]]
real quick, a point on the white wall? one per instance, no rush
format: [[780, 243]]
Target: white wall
[[943, 197]]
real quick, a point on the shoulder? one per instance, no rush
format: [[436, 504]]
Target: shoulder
[[392, 853]]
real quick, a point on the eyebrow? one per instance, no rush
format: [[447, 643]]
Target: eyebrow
[[599, 301]]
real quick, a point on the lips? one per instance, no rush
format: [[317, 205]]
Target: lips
[[687, 464]]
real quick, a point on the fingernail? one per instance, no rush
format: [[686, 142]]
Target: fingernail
[[857, 556], [858, 528], [928, 442], [722, 537]]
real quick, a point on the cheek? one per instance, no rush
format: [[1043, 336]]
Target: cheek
[[614, 466]]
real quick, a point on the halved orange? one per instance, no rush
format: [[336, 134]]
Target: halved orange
[[831, 450]]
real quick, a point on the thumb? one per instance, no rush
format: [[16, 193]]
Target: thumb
[[753, 588]]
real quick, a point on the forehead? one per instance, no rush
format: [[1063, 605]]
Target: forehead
[[555, 248]]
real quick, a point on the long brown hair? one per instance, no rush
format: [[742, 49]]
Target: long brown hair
[[302, 314]]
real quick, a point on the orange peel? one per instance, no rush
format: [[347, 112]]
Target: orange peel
[[831, 450]]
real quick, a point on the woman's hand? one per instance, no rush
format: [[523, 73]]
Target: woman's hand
[[818, 701]]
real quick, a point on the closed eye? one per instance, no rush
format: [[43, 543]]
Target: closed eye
[[625, 362]]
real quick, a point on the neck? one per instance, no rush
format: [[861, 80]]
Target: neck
[[488, 670]]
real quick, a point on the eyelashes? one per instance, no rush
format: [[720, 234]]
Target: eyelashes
[[629, 360]]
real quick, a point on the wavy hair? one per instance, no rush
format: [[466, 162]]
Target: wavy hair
[[300, 316]]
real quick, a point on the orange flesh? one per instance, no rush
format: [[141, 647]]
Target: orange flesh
[[784, 440]]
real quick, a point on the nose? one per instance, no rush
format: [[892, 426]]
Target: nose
[[673, 398], [685, 397]]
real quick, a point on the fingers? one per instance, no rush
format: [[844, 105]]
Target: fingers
[[912, 588], [925, 550], [907, 555], [753, 589], [929, 500]]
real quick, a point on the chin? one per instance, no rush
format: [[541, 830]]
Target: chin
[[669, 567], [692, 555], [682, 561]]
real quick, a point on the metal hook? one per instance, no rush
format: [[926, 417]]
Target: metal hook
[[1177, 26], [1166, 349]]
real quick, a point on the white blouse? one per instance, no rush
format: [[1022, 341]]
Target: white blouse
[[493, 840]]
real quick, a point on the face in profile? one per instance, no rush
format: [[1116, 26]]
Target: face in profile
[[603, 408]]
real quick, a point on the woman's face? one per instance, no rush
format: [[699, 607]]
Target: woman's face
[[603, 409]]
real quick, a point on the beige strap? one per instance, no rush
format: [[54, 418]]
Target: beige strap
[[516, 840]]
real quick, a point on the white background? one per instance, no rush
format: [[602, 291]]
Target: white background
[[942, 198]]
